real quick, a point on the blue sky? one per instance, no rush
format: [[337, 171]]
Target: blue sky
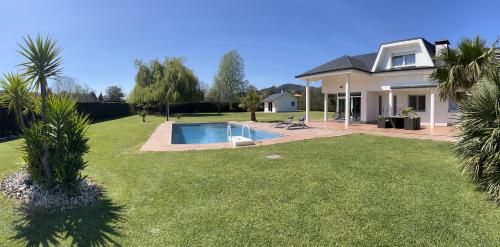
[[277, 39]]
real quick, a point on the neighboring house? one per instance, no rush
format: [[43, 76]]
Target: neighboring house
[[384, 83], [280, 102]]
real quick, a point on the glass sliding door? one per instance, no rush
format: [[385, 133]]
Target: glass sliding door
[[355, 104], [395, 103], [341, 106], [356, 108], [380, 113]]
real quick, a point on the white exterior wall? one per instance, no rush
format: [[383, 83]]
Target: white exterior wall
[[384, 59], [282, 104], [376, 82], [371, 107]]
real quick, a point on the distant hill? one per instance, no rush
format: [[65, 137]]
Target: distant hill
[[290, 87]]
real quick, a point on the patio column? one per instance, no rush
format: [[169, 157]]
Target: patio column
[[307, 101], [391, 103], [325, 107], [336, 105], [347, 113], [433, 101]]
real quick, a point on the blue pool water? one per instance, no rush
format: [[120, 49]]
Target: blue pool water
[[203, 133]]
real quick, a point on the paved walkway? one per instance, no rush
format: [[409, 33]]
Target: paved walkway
[[425, 133], [160, 140]]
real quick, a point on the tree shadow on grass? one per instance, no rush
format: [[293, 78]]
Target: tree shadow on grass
[[90, 226], [9, 138]]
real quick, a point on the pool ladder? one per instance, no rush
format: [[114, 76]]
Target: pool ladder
[[243, 131], [229, 132]]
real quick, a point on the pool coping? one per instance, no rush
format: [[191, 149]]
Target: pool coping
[[160, 140], [226, 122]]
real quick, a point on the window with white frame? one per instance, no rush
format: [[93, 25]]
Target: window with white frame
[[417, 102], [403, 60]]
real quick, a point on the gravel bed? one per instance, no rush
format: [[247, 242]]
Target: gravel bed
[[19, 187]]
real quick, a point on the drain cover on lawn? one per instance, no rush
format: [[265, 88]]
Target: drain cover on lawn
[[273, 157]]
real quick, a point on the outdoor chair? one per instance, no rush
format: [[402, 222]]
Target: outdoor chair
[[299, 124], [282, 124]]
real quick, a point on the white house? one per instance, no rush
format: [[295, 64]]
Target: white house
[[384, 83], [280, 102]]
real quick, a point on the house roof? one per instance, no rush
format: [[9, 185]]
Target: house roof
[[361, 62], [431, 49], [364, 62], [274, 97]]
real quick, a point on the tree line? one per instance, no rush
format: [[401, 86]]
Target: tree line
[[69, 86], [171, 81]]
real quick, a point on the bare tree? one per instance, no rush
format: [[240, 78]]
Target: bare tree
[[114, 93], [69, 86]]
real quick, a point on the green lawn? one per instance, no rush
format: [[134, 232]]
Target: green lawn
[[350, 190]]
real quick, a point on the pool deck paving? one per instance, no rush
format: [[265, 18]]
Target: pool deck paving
[[160, 139]]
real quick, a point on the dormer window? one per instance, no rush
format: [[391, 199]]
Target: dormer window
[[403, 60]]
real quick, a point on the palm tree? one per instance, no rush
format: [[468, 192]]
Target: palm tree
[[251, 102], [479, 135], [461, 67], [16, 95], [43, 63]]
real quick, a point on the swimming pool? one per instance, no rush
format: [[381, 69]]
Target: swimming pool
[[203, 133]]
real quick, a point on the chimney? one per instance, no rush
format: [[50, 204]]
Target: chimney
[[441, 45]]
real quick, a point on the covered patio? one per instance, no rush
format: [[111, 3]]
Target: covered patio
[[362, 98]]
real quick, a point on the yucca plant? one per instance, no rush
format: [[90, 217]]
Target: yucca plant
[[143, 113], [15, 95], [63, 135], [43, 63], [33, 150], [478, 144], [33, 107]]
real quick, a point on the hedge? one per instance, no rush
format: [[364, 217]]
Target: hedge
[[96, 110], [104, 110], [8, 125], [317, 102], [196, 107], [203, 107]]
